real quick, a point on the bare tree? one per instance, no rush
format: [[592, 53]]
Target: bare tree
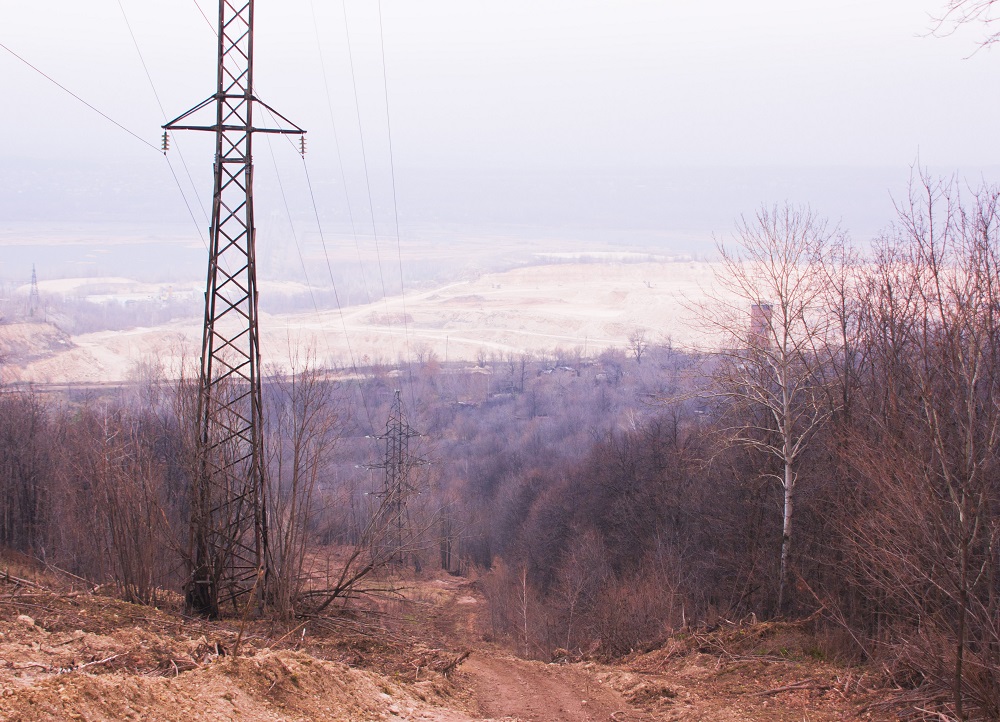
[[107, 517], [842, 297], [376, 550], [580, 576], [517, 369], [962, 12], [637, 344], [24, 465], [772, 369], [929, 533], [127, 480], [303, 424]]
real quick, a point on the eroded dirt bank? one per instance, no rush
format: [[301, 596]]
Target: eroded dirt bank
[[78, 655]]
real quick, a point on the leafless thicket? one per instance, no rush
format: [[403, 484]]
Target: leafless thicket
[[926, 451], [302, 429], [26, 461]]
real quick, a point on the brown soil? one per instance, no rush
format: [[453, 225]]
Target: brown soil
[[74, 654], [758, 672], [506, 687]]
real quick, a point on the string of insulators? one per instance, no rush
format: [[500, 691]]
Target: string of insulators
[[165, 145], [302, 146]]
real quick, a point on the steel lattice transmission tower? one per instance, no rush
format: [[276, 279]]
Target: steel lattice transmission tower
[[228, 542], [397, 488], [34, 299]]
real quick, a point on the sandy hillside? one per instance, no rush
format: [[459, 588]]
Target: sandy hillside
[[537, 309], [79, 655]]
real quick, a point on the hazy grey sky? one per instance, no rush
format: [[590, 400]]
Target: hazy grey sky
[[543, 87]]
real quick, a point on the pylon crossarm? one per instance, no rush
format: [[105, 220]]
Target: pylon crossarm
[[294, 130], [175, 124]]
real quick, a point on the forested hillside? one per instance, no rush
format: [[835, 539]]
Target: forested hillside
[[833, 456]]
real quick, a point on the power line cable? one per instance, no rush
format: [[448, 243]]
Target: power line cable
[[156, 95], [291, 224], [364, 157], [336, 295], [329, 266], [340, 159], [395, 208], [186, 203], [70, 92], [210, 24]]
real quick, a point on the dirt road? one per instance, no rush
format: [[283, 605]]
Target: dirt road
[[505, 687], [652, 687]]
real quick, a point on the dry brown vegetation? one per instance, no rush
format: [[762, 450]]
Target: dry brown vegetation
[[74, 653], [82, 655]]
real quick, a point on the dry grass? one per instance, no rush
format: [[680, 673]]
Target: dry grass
[[753, 671]]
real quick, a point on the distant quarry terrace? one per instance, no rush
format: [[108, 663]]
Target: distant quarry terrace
[[581, 304]]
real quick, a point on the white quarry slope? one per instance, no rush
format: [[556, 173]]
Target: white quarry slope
[[536, 309]]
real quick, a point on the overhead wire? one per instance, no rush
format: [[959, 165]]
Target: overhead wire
[[312, 195], [364, 157], [329, 266], [270, 147], [298, 246], [295, 237], [156, 95], [350, 214], [315, 206], [70, 92], [104, 115], [395, 208], [187, 205], [340, 159], [336, 296], [281, 185], [291, 223], [210, 23]]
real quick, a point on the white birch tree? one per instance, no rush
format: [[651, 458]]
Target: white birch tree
[[767, 314]]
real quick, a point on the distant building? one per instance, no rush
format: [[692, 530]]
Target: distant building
[[760, 325]]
